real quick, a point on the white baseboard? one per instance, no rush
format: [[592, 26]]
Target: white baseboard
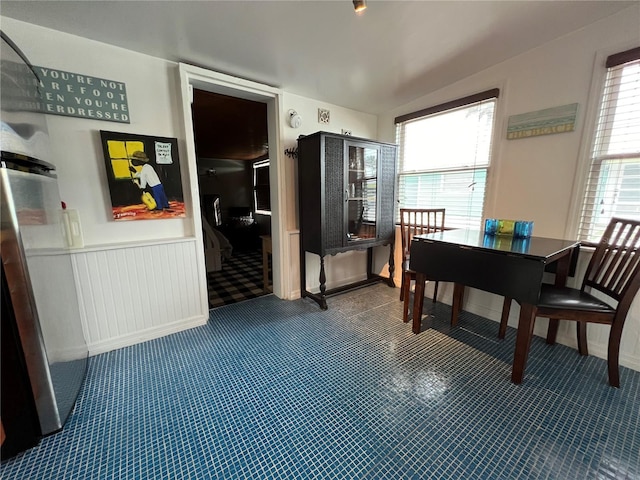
[[145, 335], [600, 351], [345, 281]]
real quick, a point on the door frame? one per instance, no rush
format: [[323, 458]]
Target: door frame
[[195, 77]]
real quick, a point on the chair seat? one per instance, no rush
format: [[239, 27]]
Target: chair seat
[[571, 299]]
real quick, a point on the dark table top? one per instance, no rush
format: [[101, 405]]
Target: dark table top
[[534, 247]]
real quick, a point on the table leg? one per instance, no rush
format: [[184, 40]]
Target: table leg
[[456, 307], [418, 302], [504, 319], [523, 341]]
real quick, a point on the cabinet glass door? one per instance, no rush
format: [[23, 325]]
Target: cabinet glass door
[[362, 191]]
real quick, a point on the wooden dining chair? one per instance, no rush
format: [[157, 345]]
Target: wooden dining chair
[[614, 271], [416, 221]]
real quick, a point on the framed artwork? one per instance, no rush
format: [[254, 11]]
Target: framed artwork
[[144, 176]]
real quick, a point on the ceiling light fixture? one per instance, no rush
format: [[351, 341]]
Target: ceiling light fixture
[[359, 6]]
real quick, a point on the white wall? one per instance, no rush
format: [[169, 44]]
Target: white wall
[[136, 280], [126, 253], [532, 178], [535, 178], [77, 151], [346, 267]]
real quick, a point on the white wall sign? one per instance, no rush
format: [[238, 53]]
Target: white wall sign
[[163, 153]]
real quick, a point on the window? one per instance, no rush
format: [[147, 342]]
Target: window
[[261, 188], [444, 156], [613, 187]]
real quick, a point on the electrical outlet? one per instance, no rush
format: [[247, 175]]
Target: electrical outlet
[[346, 132]]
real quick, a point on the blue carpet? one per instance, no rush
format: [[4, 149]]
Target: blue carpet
[[280, 389]]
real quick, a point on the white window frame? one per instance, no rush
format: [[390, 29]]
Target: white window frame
[[471, 169], [256, 166], [599, 76]]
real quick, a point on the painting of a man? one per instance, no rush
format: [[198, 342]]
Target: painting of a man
[[144, 176], [147, 176]]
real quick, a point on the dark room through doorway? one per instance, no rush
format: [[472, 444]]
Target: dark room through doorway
[[232, 152]]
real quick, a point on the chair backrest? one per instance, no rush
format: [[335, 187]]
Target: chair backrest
[[614, 268], [418, 221]]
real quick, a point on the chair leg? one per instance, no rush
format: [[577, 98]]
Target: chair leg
[[552, 331], [504, 319], [613, 354], [402, 287], [406, 305], [581, 330], [435, 291]]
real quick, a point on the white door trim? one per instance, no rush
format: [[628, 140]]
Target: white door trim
[[196, 77]]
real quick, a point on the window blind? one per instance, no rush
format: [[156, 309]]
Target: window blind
[[444, 157], [613, 186]]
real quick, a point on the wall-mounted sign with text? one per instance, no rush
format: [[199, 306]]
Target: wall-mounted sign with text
[[543, 122], [76, 95]]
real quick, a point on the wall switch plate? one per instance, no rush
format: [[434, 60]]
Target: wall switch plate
[[323, 116], [346, 132]]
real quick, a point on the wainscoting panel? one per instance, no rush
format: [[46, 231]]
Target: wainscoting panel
[[132, 294]]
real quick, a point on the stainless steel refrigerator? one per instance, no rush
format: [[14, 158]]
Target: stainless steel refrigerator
[[44, 352]]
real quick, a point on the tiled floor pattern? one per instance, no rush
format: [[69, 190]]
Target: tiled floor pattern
[[280, 389], [239, 279]]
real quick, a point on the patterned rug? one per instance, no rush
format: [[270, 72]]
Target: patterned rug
[[239, 279]]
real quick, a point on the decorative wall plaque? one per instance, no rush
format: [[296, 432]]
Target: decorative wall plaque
[[76, 95], [323, 116], [543, 122]]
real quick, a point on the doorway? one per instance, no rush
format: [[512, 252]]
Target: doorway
[[192, 77], [232, 159]]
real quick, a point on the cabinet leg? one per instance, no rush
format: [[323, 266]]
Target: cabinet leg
[[323, 286], [392, 266], [303, 270]]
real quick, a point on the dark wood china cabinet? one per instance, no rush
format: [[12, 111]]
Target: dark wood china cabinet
[[346, 202]]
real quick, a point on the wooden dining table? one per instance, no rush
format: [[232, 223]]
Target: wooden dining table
[[504, 265]]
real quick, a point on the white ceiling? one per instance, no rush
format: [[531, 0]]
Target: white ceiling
[[393, 53]]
